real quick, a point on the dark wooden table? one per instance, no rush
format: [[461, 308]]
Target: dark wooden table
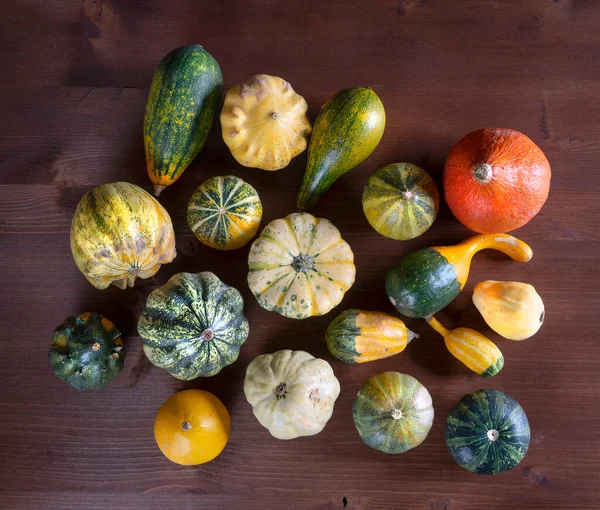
[[73, 87]]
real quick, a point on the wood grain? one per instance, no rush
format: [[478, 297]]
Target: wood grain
[[73, 87]]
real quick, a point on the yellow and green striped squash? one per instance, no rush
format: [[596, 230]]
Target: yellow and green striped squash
[[300, 266], [120, 232], [346, 132], [393, 412], [224, 212], [356, 336], [182, 105], [477, 352], [400, 201]]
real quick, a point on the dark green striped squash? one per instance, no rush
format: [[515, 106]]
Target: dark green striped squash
[[400, 201], [393, 412], [421, 283], [193, 326], [487, 432], [356, 336], [224, 212], [182, 105], [87, 351], [347, 130]]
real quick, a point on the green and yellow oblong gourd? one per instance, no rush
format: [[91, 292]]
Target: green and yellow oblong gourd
[[425, 281], [474, 350], [182, 106], [400, 201], [356, 336], [346, 132], [224, 212]]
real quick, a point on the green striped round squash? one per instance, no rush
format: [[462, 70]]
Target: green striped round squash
[[87, 351], [182, 105], [224, 212], [193, 326], [400, 201], [487, 432], [393, 412]]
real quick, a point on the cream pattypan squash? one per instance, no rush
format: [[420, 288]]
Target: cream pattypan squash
[[292, 393], [300, 266]]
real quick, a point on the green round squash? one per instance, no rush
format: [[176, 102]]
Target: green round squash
[[401, 201], [487, 432], [87, 351], [393, 412], [224, 212], [193, 326]]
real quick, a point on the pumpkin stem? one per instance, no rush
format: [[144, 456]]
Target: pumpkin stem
[[96, 347], [158, 189], [411, 335], [407, 195], [396, 414], [280, 391], [208, 334], [187, 426], [302, 263], [483, 172], [493, 434]]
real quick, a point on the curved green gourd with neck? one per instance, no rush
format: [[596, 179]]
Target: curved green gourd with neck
[[347, 130], [425, 281]]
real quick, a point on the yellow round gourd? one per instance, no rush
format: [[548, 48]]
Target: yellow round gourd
[[514, 310], [264, 122]]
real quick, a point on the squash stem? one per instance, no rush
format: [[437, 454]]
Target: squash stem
[[186, 426], [432, 321], [158, 189], [411, 335]]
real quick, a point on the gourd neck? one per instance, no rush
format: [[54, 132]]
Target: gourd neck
[[303, 263], [433, 322], [483, 173]]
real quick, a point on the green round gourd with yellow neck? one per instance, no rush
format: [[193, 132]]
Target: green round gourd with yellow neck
[[393, 412], [425, 281], [193, 326], [400, 201], [346, 132], [87, 351]]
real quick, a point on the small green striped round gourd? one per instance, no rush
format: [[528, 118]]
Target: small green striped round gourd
[[193, 326], [393, 412], [487, 432], [224, 212], [400, 201]]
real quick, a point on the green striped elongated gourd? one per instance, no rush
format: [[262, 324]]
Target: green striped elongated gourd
[[487, 432], [400, 201], [476, 351], [193, 326], [393, 412], [182, 105], [346, 132], [224, 212]]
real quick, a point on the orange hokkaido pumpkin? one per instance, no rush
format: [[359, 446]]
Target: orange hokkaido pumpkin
[[192, 427], [496, 180]]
